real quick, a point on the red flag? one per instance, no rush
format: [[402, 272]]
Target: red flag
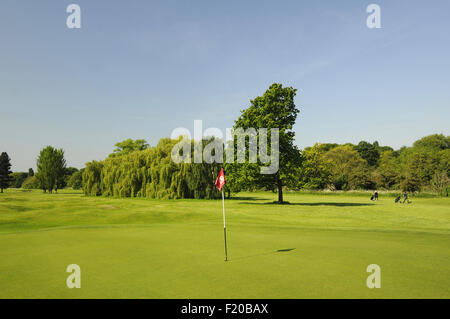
[[220, 181]]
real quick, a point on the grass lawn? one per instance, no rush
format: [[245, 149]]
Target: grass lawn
[[317, 247]]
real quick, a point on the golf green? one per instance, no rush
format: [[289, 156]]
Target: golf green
[[318, 246]]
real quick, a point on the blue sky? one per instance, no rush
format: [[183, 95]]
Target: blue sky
[[140, 69]]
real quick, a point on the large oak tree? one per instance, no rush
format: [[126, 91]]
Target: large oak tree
[[275, 109]]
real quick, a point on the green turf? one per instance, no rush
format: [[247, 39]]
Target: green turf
[[316, 247]]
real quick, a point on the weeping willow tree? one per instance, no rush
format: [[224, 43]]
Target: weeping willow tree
[[92, 178], [151, 173]]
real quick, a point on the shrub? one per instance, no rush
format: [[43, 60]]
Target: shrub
[[31, 183]]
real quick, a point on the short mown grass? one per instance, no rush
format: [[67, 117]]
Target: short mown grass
[[317, 246]]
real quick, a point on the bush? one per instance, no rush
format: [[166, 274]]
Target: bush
[[18, 179], [31, 183], [76, 180]]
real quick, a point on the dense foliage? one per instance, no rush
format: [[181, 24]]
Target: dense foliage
[[31, 182], [51, 167], [18, 178], [128, 146], [150, 173], [75, 180], [275, 109], [135, 169], [5, 171], [424, 166]]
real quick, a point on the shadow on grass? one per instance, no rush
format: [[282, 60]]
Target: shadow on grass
[[284, 250], [337, 204], [263, 254], [67, 193], [245, 198]]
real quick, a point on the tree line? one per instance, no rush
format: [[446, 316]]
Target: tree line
[[364, 166], [422, 167], [134, 169], [149, 172], [52, 173]]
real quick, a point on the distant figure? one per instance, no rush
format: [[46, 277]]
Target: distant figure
[[398, 199], [405, 197], [376, 195]]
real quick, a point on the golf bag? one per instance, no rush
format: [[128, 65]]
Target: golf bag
[[371, 198], [397, 199]]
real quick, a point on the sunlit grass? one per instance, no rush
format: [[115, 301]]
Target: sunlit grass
[[317, 246]]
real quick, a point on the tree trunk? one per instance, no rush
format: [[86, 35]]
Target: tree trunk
[[2, 190], [280, 190]]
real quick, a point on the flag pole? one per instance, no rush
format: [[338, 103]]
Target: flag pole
[[224, 226]]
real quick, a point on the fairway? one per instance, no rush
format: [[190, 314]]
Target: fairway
[[318, 246]]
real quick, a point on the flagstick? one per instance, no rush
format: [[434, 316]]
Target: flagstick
[[224, 226]]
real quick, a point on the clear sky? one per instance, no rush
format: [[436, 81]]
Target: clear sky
[[140, 69]]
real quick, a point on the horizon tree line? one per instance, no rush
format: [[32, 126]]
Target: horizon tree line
[[421, 167], [134, 169]]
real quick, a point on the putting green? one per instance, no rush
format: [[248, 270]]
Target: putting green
[[317, 247]]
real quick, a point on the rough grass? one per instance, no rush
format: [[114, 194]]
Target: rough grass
[[314, 247]]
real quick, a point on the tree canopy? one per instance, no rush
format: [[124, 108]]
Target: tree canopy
[[18, 178], [424, 166], [275, 109], [5, 171], [51, 167], [369, 152], [436, 142], [128, 146], [151, 173]]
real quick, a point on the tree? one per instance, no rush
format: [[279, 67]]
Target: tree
[[51, 167], [325, 147], [68, 172], [275, 109], [349, 170], [30, 172], [368, 152], [387, 173], [92, 178], [5, 171], [440, 183], [18, 178], [314, 172], [382, 149], [31, 183], [76, 180], [151, 173], [419, 167], [444, 161], [128, 146], [434, 141]]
